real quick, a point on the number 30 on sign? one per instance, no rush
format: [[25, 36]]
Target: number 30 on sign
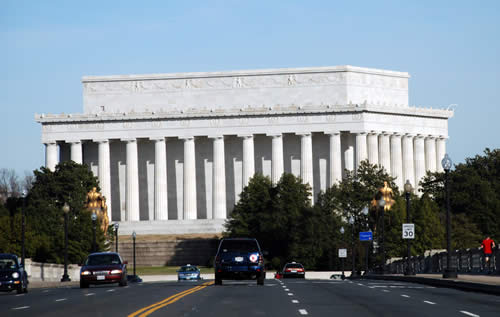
[[408, 231]]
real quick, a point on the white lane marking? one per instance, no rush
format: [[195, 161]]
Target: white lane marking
[[19, 295], [303, 311], [287, 290], [467, 313], [427, 302], [384, 290], [360, 284], [127, 286], [290, 294], [60, 299], [45, 291], [89, 294], [22, 307], [110, 290], [295, 301], [405, 296]]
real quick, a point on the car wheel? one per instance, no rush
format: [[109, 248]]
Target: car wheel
[[84, 285], [218, 280], [260, 280], [123, 282], [19, 290]]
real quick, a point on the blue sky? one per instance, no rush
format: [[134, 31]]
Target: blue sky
[[450, 48]]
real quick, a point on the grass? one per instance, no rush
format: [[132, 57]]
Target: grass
[[163, 270]]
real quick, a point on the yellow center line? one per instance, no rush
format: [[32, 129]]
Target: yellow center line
[[167, 301]]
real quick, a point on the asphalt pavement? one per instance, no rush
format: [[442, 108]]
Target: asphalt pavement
[[289, 297]]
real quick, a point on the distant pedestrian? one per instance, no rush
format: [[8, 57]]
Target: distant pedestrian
[[487, 245]]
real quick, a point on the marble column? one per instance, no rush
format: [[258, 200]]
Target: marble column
[[384, 152], [248, 159], [219, 180], [335, 159], [408, 168], [349, 158], [361, 148], [132, 194], [190, 199], [104, 172], [306, 161], [396, 160], [430, 153], [419, 152], [76, 151], [277, 158], [440, 152], [373, 148], [161, 192], [51, 155]]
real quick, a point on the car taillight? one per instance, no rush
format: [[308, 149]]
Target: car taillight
[[300, 270], [288, 270]]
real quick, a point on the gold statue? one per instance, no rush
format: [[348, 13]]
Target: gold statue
[[96, 203], [387, 195]]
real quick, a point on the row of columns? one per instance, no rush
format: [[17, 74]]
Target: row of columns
[[403, 156]]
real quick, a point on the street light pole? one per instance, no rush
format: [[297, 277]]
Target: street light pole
[[353, 272], [381, 203], [133, 238], [342, 259], [65, 277], [117, 225], [408, 189], [94, 220], [23, 228], [448, 272], [365, 212]]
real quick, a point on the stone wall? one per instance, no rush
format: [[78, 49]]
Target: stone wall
[[50, 272]]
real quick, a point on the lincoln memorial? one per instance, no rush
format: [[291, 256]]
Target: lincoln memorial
[[173, 151]]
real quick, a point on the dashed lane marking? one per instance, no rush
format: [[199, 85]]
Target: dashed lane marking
[[19, 308], [428, 302], [295, 301], [60, 299], [45, 291], [19, 295], [110, 290], [290, 294], [303, 311], [384, 290], [286, 290], [360, 284], [469, 314], [90, 294], [405, 296]]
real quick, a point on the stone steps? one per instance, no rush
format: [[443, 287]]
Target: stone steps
[[169, 252]]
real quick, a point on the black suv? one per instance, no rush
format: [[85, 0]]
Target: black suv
[[12, 274], [238, 259]]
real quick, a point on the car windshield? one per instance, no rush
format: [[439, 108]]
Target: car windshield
[[294, 266], [103, 259], [188, 269], [8, 264], [239, 245]]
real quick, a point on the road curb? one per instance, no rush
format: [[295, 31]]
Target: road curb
[[464, 286]]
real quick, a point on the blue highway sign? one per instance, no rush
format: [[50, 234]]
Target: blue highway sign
[[365, 236]]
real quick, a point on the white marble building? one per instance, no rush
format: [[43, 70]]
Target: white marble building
[[173, 151]]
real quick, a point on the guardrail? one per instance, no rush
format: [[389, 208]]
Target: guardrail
[[463, 261]]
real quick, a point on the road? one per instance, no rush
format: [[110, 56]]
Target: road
[[244, 298]]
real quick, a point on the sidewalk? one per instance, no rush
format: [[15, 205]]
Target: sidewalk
[[489, 284]]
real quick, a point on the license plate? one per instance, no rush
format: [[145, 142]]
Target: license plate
[[238, 259], [294, 271], [101, 277]]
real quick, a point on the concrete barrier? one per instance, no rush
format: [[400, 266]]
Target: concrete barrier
[[50, 272]]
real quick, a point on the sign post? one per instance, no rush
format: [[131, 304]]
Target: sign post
[[342, 256], [408, 231]]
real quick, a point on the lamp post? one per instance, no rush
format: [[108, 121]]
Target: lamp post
[[448, 272], [133, 238], [94, 220], [342, 259], [353, 271], [65, 277], [117, 225], [365, 211], [381, 203], [23, 228], [408, 189]]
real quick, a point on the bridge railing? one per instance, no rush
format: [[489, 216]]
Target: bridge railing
[[463, 261]]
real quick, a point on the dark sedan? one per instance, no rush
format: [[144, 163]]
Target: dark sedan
[[102, 268], [294, 269], [12, 274]]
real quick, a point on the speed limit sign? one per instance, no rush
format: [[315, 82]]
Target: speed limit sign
[[408, 231]]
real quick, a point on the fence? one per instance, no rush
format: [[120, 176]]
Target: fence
[[463, 261]]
